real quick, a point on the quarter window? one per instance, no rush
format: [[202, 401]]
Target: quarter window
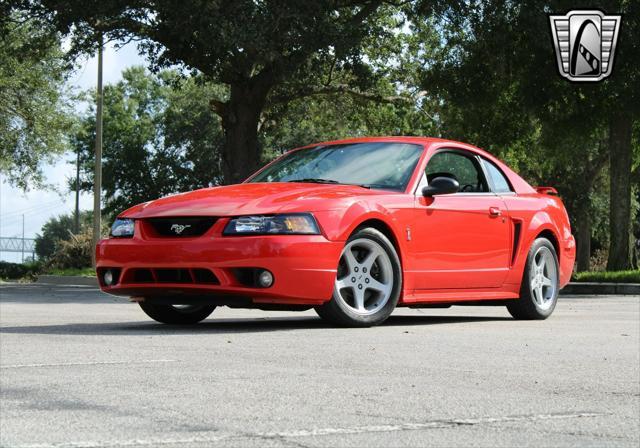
[[459, 166], [500, 182]]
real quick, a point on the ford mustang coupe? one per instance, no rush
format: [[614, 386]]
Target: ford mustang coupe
[[351, 228]]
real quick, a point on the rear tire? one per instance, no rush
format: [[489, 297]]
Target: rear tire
[[368, 282], [540, 283], [177, 314]]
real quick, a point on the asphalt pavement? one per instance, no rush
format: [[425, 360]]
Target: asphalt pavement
[[79, 368]]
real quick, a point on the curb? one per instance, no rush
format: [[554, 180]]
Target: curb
[[67, 280], [593, 288]]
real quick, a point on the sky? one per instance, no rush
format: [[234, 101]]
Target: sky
[[38, 206]]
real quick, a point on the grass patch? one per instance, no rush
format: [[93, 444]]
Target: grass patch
[[83, 272], [632, 276]]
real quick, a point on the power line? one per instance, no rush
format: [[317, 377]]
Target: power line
[[31, 209], [41, 211]]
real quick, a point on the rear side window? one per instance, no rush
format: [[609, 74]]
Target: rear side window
[[500, 182]]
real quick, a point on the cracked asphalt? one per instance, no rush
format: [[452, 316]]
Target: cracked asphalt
[[79, 368]]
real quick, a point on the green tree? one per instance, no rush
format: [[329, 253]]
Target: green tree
[[159, 135], [263, 52], [34, 113], [60, 228]]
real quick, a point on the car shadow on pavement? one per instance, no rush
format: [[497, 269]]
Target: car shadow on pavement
[[226, 326]]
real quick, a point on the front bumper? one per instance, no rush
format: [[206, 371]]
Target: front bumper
[[303, 266]]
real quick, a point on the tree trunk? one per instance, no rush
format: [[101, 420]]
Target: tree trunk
[[620, 196], [240, 117], [583, 237]]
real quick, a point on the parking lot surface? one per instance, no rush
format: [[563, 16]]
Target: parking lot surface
[[80, 368]]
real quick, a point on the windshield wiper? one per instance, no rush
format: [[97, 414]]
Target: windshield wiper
[[378, 186], [313, 180]]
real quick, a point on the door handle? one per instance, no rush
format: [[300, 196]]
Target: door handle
[[494, 211]]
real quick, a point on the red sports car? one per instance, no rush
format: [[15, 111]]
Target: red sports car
[[352, 228]]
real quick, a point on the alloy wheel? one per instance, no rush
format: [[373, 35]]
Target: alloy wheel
[[364, 282], [543, 278]]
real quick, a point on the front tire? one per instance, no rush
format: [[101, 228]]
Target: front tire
[[540, 283], [368, 282], [177, 314]]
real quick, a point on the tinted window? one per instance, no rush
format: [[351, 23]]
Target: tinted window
[[378, 165], [500, 182], [461, 167]]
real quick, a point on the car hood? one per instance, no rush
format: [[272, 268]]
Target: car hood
[[252, 198]]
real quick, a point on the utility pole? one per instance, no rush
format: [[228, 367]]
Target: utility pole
[[23, 238], [0, 216], [97, 176], [77, 214]]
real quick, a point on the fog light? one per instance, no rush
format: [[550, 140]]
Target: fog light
[[108, 277], [265, 279]]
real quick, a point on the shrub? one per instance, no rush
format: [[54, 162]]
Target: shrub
[[14, 271], [74, 253], [58, 229]]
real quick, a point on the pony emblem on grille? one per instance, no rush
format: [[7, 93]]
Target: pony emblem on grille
[[179, 228]]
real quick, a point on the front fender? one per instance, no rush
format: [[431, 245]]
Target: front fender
[[338, 225]]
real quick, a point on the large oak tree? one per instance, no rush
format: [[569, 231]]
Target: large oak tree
[[263, 50]]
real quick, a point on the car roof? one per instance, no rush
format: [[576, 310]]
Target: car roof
[[425, 141], [400, 139]]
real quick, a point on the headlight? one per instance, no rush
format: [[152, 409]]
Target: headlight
[[122, 228], [294, 224]]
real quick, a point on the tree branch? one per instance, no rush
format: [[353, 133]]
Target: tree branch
[[342, 89]]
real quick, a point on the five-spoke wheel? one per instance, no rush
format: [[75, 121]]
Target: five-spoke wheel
[[540, 283], [368, 281]]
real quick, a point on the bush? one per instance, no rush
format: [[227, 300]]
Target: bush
[[14, 271], [74, 253], [59, 229]]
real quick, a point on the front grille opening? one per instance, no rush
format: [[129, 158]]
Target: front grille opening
[[173, 276], [204, 276], [170, 275], [142, 276], [181, 227]]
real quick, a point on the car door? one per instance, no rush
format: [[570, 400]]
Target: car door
[[460, 240]]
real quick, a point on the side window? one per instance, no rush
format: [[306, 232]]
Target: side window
[[461, 167], [500, 182]]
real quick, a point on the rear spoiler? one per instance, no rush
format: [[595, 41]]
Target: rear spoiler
[[547, 190]]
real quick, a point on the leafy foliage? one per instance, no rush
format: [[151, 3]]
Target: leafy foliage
[[59, 229], [263, 52], [74, 253], [16, 271], [34, 113], [160, 137]]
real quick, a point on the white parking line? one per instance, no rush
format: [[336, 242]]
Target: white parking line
[[92, 363], [314, 432]]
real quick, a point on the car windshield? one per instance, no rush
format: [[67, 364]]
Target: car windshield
[[372, 165]]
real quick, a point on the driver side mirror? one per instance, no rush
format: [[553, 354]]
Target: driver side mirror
[[441, 185]]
